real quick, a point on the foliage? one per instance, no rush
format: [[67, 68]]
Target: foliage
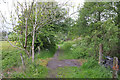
[[33, 71], [11, 60], [47, 26], [36, 71], [75, 50], [97, 23], [45, 54], [100, 27], [89, 69], [9, 56]]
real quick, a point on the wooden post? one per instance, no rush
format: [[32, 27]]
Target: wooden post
[[100, 54], [115, 68]]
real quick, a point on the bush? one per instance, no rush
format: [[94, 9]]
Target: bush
[[75, 50], [67, 45], [11, 60]]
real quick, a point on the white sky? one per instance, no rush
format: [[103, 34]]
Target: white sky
[[6, 6]]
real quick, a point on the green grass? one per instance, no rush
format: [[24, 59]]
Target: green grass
[[74, 50], [11, 59], [89, 69], [70, 50], [32, 71], [119, 75], [10, 56], [45, 54]]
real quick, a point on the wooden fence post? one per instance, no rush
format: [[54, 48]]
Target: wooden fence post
[[100, 54], [115, 68]]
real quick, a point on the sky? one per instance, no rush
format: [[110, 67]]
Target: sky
[[6, 6]]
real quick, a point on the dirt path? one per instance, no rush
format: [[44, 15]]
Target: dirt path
[[54, 63]]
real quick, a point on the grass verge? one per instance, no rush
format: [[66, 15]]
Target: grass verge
[[89, 69], [12, 64]]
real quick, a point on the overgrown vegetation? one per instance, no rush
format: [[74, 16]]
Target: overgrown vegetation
[[99, 26], [41, 26], [12, 63], [77, 49], [89, 69]]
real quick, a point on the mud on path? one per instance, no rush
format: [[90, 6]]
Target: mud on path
[[54, 63]]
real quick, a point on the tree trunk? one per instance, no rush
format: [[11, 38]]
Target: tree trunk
[[23, 64], [27, 52], [115, 67], [99, 16], [100, 54], [26, 39], [33, 40], [33, 43], [39, 49], [26, 34]]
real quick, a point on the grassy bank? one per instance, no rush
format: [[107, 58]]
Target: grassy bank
[[75, 50], [90, 69], [12, 64]]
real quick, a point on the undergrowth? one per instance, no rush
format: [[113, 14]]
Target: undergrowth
[[80, 49], [89, 69], [75, 50], [11, 62]]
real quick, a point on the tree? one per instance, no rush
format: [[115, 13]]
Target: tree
[[37, 26], [66, 27], [116, 8], [33, 37], [89, 14], [98, 23]]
